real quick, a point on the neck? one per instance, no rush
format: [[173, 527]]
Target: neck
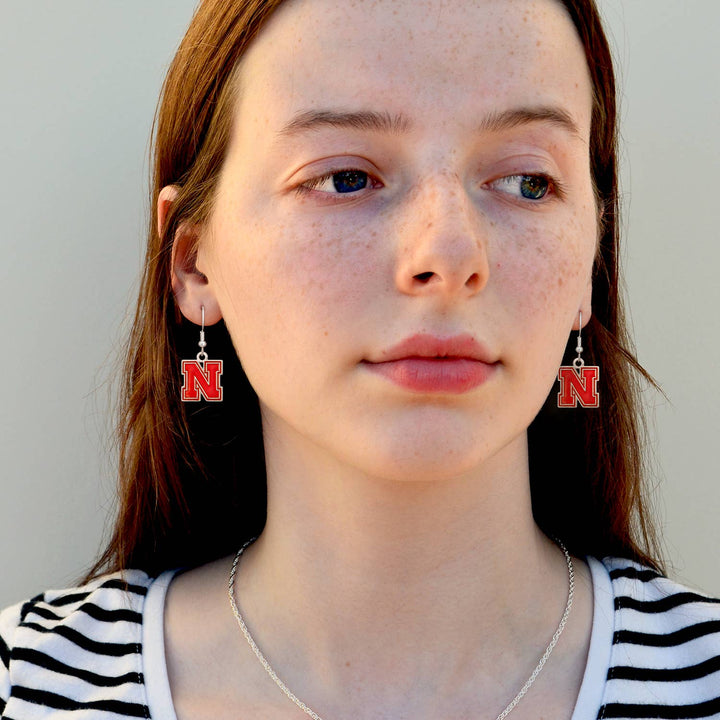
[[432, 584]]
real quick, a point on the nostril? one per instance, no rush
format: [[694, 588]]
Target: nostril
[[424, 276]]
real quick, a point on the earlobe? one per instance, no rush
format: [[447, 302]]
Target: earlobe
[[191, 289], [585, 308]]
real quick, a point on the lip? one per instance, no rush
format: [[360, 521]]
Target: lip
[[429, 364]]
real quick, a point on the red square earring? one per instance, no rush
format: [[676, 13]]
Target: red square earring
[[201, 377], [578, 382]]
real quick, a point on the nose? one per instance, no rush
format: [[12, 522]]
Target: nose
[[442, 242]]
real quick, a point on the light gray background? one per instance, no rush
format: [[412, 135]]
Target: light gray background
[[78, 85]]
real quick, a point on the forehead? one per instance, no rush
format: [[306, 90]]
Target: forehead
[[434, 61]]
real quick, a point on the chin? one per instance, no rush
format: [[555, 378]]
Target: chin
[[418, 459]]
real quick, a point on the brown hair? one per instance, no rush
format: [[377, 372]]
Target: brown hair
[[192, 483], [587, 467]]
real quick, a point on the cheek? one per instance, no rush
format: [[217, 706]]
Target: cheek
[[546, 269], [303, 283], [326, 274]]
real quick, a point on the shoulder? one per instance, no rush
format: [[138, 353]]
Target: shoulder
[[666, 646], [652, 595], [63, 646], [111, 599]]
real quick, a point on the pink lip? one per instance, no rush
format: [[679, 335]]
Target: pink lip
[[425, 363]]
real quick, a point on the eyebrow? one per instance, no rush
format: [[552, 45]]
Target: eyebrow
[[384, 122], [508, 119], [361, 120]]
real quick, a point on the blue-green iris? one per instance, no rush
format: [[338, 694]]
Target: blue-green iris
[[533, 187]]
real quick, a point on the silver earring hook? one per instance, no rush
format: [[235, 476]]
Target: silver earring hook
[[578, 362], [202, 355]]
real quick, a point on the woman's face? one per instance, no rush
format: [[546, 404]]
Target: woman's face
[[399, 167]]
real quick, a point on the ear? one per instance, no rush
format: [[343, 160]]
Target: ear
[[586, 301], [190, 287]]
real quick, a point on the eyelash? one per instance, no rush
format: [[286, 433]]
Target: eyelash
[[555, 187]]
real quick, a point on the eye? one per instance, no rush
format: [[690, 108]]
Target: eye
[[340, 181], [526, 187]]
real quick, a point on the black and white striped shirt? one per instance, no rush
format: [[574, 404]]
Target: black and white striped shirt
[[97, 651]]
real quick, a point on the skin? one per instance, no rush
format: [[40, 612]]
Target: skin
[[407, 512]]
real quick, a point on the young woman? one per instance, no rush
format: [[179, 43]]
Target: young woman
[[395, 225]]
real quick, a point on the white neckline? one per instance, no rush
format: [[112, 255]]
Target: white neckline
[[592, 688], [157, 683]]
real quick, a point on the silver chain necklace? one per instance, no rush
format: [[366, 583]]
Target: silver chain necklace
[[315, 716]]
